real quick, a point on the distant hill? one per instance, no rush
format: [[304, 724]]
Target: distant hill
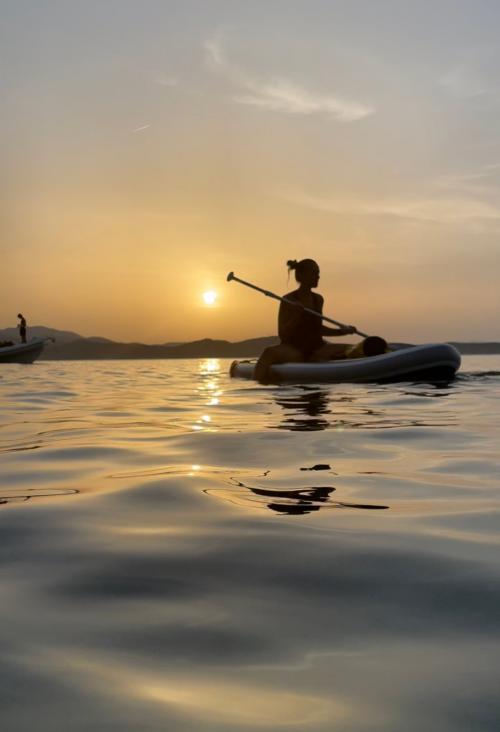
[[92, 348], [72, 346], [40, 331], [96, 348], [477, 348]]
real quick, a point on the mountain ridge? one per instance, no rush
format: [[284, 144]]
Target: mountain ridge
[[72, 346]]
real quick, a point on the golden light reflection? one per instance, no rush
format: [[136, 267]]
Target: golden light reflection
[[204, 422], [209, 386], [231, 703], [210, 365], [148, 530], [218, 700]]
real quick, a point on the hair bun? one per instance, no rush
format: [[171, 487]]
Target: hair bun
[[292, 264]]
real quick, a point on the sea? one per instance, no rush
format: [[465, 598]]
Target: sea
[[185, 552]]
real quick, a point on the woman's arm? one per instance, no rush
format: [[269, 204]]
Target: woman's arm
[[338, 331], [325, 330]]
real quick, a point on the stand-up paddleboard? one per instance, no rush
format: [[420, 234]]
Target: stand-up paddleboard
[[23, 352], [430, 362]]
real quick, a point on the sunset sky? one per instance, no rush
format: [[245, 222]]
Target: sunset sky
[[148, 148]]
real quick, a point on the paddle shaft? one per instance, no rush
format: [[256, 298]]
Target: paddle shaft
[[231, 276]]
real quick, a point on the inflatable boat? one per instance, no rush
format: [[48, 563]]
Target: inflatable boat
[[23, 352], [430, 362]]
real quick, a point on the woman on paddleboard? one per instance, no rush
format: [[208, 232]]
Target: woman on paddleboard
[[301, 333]]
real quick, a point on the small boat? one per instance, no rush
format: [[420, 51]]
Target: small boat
[[429, 362], [23, 352]]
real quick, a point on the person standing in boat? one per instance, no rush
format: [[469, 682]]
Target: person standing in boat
[[301, 333], [22, 327]]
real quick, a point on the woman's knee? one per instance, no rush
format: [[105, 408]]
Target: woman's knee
[[289, 354], [269, 354], [328, 352]]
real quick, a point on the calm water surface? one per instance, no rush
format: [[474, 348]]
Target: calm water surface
[[180, 551]]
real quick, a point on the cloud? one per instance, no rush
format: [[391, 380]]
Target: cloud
[[215, 55], [282, 95], [482, 182], [168, 81], [458, 210], [141, 128], [463, 83]]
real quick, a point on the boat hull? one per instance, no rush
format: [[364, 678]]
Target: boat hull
[[430, 362], [22, 352]]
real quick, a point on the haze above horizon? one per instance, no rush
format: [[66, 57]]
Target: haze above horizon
[[148, 149]]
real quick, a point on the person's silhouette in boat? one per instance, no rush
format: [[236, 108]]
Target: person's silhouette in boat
[[22, 327], [301, 333]]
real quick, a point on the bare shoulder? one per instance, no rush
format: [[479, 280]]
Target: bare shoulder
[[287, 308], [319, 298]]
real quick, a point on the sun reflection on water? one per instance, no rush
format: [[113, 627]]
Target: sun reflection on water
[[210, 365], [208, 387]]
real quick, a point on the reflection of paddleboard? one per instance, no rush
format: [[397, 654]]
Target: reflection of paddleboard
[[23, 352], [433, 361]]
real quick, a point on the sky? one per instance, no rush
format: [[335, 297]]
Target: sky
[[149, 148]]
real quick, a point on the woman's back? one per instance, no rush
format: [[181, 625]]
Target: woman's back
[[298, 328]]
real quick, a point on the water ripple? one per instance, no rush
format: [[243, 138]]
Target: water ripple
[[183, 551]]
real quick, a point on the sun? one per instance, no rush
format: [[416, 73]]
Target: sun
[[209, 297]]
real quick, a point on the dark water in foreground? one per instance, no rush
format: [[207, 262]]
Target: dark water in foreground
[[180, 551]]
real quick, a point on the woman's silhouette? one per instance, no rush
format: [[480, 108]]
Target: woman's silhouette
[[300, 332]]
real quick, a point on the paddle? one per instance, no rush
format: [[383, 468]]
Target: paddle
[[231, 276]]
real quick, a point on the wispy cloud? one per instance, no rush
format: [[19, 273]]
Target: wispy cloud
[[141, 128], [483, 181], [215, 55], [167, 81], [463, 83], [282, 95], [438, 210]]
